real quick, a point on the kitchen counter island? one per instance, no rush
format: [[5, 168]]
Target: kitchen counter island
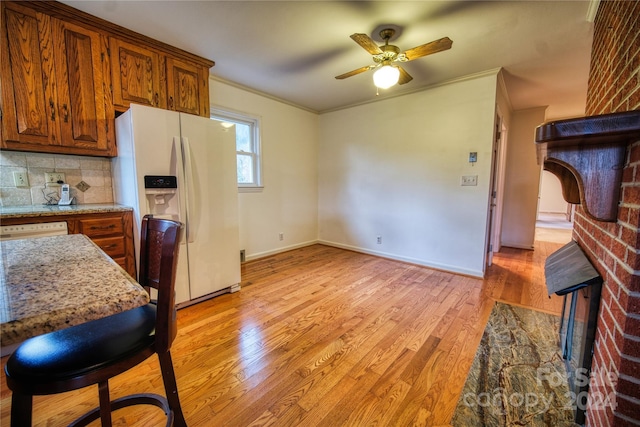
[[51, 283]]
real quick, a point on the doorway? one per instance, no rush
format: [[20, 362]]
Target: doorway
[[498, 161], [554, 218]]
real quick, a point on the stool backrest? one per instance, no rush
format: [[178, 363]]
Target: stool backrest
[[159, 243]]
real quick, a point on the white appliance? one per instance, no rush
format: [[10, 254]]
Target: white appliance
[[30, 231], [199, 156]]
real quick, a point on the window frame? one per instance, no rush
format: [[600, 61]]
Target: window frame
[[237, 117]]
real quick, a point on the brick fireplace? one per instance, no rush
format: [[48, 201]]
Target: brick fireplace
[[614, 247]]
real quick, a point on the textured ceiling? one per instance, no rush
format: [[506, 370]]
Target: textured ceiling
[[293, 49]]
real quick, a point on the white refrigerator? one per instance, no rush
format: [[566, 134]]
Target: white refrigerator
[[201, 155]]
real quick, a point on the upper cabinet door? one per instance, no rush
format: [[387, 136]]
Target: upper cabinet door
[[28, 79], [138, 75], [53, 95], [187, 87], [81, 86]]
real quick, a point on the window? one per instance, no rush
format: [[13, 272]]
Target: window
[[247, 146]]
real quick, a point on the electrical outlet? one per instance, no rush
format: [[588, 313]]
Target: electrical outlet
[[469, 180], [53, 179], [20, 179], [379, 240], [281, 236]]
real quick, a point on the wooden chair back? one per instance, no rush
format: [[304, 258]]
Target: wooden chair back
[[159, 243]]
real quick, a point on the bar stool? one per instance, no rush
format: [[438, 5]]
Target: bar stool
[[93, 352]]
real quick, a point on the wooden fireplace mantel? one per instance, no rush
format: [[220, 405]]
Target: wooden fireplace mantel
[[588, 154]]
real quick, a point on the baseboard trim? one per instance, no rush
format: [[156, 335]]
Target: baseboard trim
[[517, 246]]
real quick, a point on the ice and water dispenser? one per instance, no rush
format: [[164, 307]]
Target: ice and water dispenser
[[162, 199]]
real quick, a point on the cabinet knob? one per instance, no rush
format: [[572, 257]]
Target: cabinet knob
[[65, 112], [171, 102], [156, 99]]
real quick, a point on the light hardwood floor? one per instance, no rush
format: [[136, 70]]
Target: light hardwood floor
[[321, 336]]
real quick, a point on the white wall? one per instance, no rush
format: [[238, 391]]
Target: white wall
[[289, 201], [522, 180], [390, 168], [393, 168], [551, 200]]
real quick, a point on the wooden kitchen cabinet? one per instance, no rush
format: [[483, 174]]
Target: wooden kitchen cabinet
[[53, 90], [138, 75], [27, 89], [65, 73], [187, 87], [146, 76], [111, 231]]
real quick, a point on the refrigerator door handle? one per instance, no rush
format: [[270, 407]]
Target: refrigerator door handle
[[190, 183], [177, 168]]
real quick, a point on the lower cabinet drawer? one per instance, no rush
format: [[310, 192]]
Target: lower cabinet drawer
[[101, 227], [113, 246]]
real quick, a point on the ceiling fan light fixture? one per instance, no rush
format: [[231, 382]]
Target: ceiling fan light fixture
[[386, 76]]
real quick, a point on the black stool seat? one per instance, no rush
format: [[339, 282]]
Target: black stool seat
[[67, 353]]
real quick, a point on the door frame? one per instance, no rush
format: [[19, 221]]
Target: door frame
[[496, 191]]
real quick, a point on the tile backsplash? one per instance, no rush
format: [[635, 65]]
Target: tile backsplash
[[79, 171]]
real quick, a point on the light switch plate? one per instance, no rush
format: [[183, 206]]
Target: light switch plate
[[469, 180]]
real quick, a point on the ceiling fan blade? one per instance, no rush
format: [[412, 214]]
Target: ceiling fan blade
[[354, 72], [404, 76], [429, 48], [367, 43]]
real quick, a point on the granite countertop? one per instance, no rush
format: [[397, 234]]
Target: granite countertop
[[50, 283], [53, 210]]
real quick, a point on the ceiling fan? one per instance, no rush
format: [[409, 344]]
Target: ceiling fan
[[389, 73]]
